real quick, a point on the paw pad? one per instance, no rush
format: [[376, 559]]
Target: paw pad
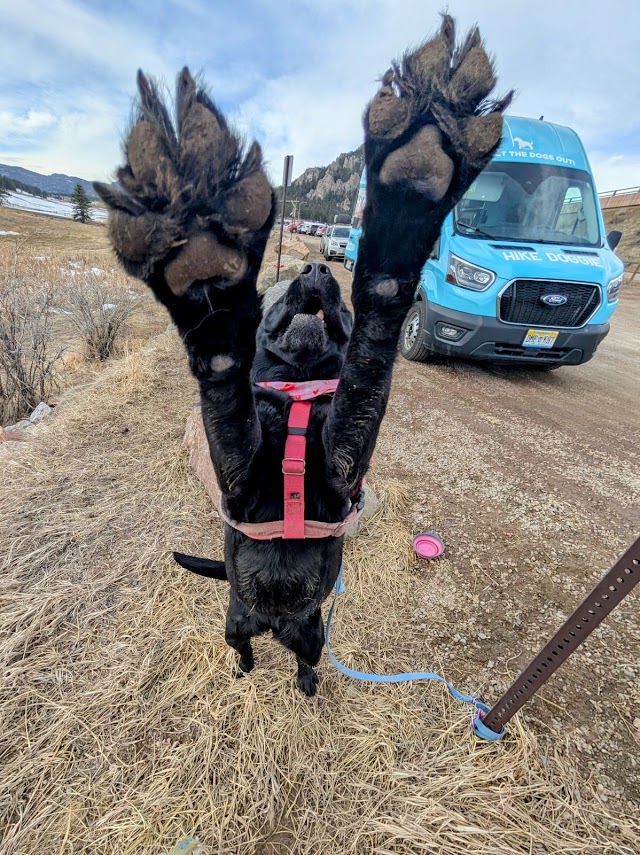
[[389, 116], [422, 163], [203, 258], [147, 154], [435, 104], [248, 204]]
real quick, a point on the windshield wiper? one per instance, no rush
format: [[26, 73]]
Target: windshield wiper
[[475, 229]]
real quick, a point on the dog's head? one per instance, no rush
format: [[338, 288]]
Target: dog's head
[[306, 330]]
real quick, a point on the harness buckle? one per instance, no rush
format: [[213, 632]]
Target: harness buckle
[[298, 466]]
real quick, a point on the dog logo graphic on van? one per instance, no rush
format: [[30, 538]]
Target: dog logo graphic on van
[[523, 143]]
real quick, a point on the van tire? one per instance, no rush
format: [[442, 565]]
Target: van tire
[[411, 346]]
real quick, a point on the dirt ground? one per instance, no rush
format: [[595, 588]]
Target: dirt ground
[[533, 482], [123, 727]]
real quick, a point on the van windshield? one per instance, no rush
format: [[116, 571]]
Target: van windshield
[[530, 202]]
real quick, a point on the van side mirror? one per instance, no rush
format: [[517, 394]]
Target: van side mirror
[[613, 239]]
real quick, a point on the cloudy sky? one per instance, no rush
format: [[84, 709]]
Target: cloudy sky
[[297, 74]]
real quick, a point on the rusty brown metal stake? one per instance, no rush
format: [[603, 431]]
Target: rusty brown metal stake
[[613, 588]]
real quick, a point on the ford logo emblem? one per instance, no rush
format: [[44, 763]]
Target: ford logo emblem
[[554, 299]]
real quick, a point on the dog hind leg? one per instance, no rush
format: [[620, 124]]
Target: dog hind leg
[[305, 639]]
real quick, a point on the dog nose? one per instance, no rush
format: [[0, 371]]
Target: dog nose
[[313, 273]]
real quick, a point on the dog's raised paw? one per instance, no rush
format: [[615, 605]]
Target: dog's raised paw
[[432, 120], [188, 195]]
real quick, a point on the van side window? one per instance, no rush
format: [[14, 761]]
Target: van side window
[[571, 218]]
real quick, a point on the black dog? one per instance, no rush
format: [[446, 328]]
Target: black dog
[[192, 220]]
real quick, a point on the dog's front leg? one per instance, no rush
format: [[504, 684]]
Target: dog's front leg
[[428, 133], [191, 219]]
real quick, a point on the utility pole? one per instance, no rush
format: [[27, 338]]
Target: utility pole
[[286, 179]]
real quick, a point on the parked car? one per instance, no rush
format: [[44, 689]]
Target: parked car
[[333, 243], [293, 227], [523, 271], [321, 231]]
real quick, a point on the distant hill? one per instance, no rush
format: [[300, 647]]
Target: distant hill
[[57, 184], [627, 220], [11, 184], [328, 190]]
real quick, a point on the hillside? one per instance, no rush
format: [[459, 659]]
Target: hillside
[[55, 184], [327, 190], [626, 220]]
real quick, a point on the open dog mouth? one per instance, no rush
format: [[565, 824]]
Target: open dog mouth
[[313, 306]]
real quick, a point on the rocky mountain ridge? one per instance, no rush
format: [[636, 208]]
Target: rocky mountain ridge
[[327, 190]]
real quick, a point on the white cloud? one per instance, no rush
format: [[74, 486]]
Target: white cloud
[[13, 124], [615, 172], [298, 77]]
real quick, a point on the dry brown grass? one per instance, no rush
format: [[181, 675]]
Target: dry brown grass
[[122, 726], [53, 233], [78, 284]]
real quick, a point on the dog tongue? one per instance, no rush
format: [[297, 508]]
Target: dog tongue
[[320, 314]]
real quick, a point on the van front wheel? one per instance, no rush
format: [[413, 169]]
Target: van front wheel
[[411, 337]]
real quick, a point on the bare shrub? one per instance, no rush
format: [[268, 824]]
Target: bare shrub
[[99, 311], [27, 360]]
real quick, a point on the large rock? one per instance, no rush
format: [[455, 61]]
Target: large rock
[[41, 412], [13, 434], [289, 269], [273, 294], [371, 505], [199, 458], [297, 249]]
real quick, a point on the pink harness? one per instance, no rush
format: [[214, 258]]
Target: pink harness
[[294, 525]]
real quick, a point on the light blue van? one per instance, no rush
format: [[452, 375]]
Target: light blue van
[[522, 271]]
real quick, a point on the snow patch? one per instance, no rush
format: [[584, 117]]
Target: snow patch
[[9, 233], [53, 207]]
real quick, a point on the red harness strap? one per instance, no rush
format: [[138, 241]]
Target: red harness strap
[[294, 525], [293, 468]]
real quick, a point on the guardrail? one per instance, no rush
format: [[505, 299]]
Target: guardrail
[[621, 192], [624, 198]]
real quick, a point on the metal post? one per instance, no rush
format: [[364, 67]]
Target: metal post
[[613, 588], [286, 178]]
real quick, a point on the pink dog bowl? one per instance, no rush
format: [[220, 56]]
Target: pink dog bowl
[[428, 545]]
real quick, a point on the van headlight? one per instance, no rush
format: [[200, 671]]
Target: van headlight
[[468, 275], [613, 288]]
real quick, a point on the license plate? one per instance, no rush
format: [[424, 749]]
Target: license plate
[[540, 338]]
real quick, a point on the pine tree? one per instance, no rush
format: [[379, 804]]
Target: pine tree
[[4, 189], [81, 204]]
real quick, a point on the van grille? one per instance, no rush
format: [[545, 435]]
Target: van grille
[[521, 303]]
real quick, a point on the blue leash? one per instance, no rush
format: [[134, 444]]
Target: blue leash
[[476, 722]]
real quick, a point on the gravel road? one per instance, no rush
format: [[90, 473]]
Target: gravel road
[[532, 480]]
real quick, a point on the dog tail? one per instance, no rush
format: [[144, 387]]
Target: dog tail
[[201, 566]]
